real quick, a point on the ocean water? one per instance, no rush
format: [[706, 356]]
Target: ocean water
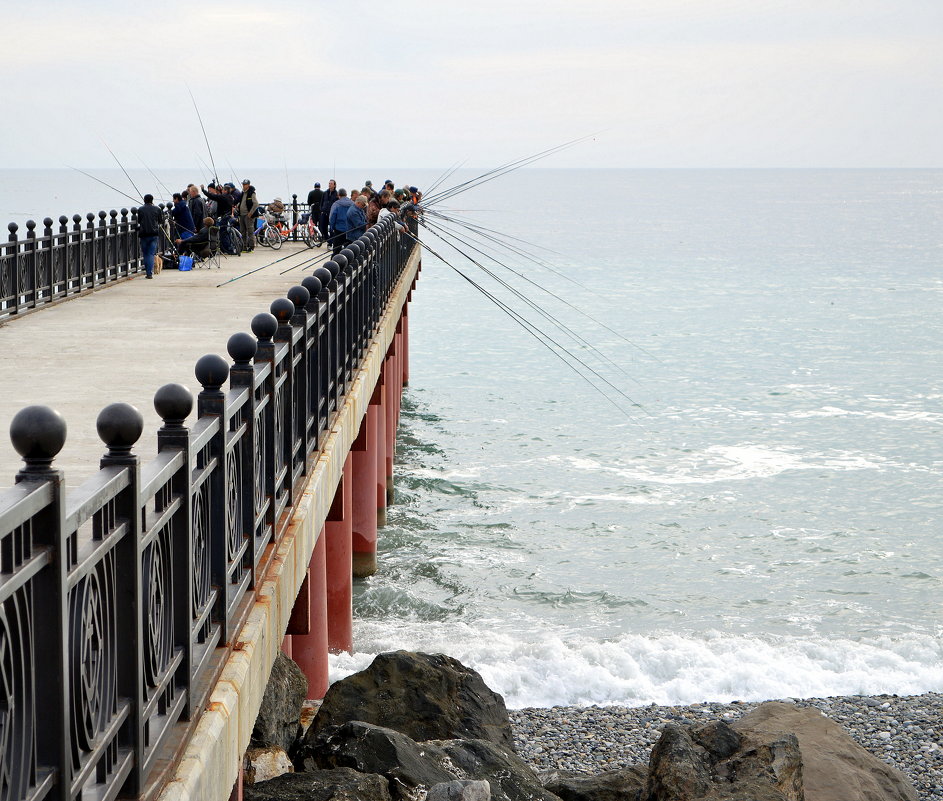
[[757, 515]]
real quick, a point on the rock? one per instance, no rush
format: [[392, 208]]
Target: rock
[[262, 764], [679, 769], [460, 790], [769, 764], [277, 721], [613, 785], [834, 766], [511, 779], [424, 696], [407, 765], [341, 784], [718, 739]]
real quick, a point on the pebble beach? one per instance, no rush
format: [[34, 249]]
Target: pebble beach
[[904, 731]]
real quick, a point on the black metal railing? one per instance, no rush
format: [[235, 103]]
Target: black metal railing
[[119, 602]]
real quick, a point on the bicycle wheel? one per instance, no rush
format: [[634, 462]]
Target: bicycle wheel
[[311, 236], [261, 238], [273, 237]]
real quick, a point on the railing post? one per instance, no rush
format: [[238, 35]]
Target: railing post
[[114, 264], [315, 357], [29, 266], [38, 434], [124, 241], [294, 217], [90, 259], [47, 260], [212, 371], [242, 348], [173, 403], [300, 296], [283, 310], [13, 265], [134, 254], [119, 427]]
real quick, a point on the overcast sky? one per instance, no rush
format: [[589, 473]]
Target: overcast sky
[[662, 83]]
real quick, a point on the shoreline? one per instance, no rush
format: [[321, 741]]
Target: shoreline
[[905, 731]]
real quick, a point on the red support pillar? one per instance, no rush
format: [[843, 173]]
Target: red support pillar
[[339, 590], [404, 341], [286, 645], [364, 494], [379, 395], [236, 794], [389, 389], [310, 650]]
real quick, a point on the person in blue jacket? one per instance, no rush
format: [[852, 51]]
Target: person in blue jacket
[[357, 219], [183, 219], [337, 221]]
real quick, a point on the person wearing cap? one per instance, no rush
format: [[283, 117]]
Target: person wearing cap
[[235, 193], [314, 200], [357, 218], [248, 211]]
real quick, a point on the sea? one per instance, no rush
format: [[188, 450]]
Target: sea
[[670, 436]]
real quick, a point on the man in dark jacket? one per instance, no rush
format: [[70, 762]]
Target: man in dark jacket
[[223, 202], [328, 199], [337, 221], [199, 243], [150, 219], [314, 201], [248, 211], [195, 204]]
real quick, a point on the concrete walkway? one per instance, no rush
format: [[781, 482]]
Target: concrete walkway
[[123, 342]]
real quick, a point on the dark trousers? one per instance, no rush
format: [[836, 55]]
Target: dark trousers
[[247, 229], [322, 225], [338, 241]]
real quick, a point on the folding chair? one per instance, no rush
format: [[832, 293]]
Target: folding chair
[[214, 250]]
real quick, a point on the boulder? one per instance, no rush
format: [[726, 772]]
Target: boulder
[[406, 764], [341, 784], [834, 766], [460, 790], [262, 764], [613, 785], [511, 779], [277, 721], [424, 696], [678, 768]]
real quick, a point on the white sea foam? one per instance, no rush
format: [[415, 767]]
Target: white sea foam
[[728, 463], [546, 668]]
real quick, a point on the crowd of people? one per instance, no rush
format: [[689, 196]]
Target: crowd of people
[[196, 211]]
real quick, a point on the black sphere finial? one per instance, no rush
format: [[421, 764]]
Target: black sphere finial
[[299, 296], [313, 284], [264, 326], [173, 402], [119, 426], [324, 276], [211, 371], [282, 309], [242, 347], [38, 434]]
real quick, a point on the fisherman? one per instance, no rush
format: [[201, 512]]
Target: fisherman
[[327, 201], [337, 221], [235, 193], [314, 201], [357, 219], [376, 203], [248, 211], [199, 243], [223, 202], [391, 209], [183, 220], [150, 219]]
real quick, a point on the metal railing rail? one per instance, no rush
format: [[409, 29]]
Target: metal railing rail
[[119, 601]]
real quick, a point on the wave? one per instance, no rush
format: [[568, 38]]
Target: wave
[[544, 668]]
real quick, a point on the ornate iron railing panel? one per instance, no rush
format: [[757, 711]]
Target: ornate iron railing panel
[[118, 605]]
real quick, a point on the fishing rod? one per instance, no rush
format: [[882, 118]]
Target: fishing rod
[[103, 183], [563, 327], [445, 176], [122, 168], [503, 169], [441, 234], [205, 138], [204, 168], [163, 186], [542, 337], [263, 267]]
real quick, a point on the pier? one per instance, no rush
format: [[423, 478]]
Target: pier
[[160, 545]]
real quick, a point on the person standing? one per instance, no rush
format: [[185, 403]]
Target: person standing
[[314, 201], [248, 211], [337, 222], [357, 219], [149, 221], [328, 199], [195, 204], [183, 220]]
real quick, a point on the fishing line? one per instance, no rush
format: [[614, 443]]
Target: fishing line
[[575, 308], [205, 138], [103, 183], [264, 266], [544, 339], [578, 338], [122, 168]]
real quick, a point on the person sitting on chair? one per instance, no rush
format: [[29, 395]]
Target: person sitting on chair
[[199, 243]]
